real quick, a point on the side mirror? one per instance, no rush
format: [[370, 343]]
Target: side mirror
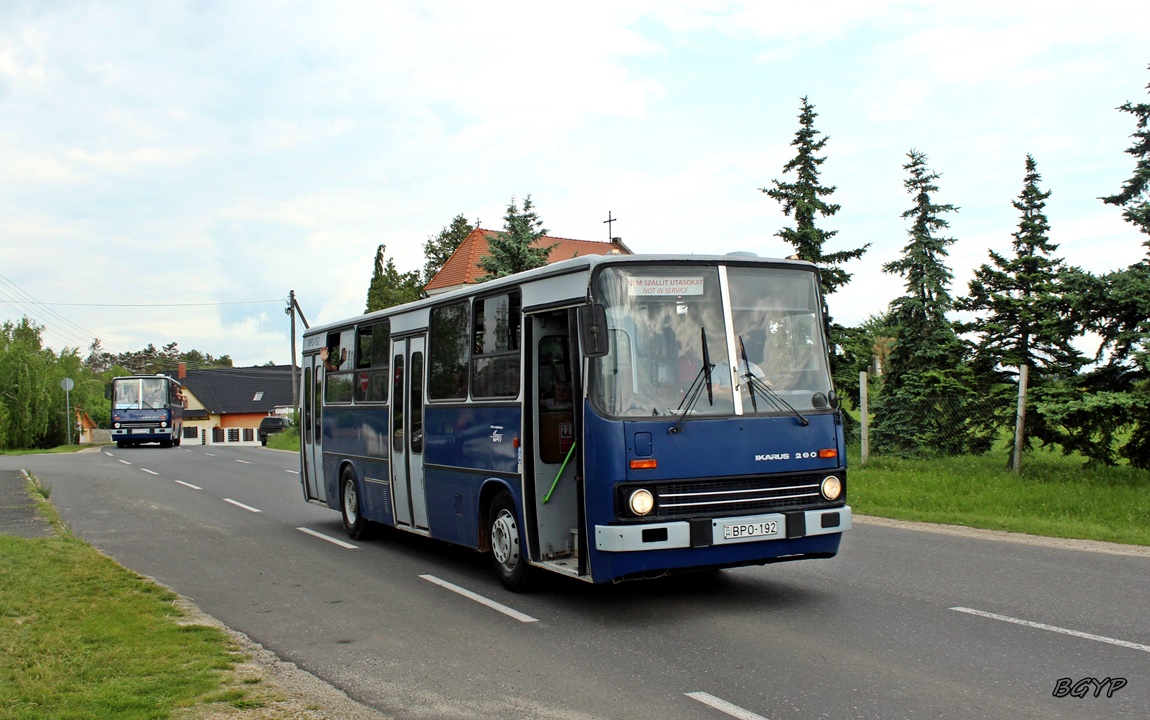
[[593, 330]]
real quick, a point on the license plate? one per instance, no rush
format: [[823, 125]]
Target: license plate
[[753, 529], [141, 431]]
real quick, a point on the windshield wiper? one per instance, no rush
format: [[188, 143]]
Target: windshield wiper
[[771, 396], [702, 379]]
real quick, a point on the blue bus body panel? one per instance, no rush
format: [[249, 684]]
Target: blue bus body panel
[[359, 434], [705, 448], [464, 450]]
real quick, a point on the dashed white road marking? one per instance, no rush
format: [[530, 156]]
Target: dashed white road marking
[[1052, 628], [509, 612], [194, 487], [210, 454], [125, 462], [724, 707], [108, 454], [239, 504], [333, 541], [245, 462], [150, 472], [293, 472]]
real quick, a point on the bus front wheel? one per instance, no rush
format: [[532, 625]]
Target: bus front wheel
[[507, 551], [353, 522]]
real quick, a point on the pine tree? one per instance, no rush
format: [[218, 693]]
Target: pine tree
[[1027, 317], [1113, 403], [927, 389], [389, 287], [1026, 314], [516, 248], [803, 199], [439, 248], [1135, 195]]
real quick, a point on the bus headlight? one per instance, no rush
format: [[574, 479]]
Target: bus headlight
[[831, 488], [642, 502], [116, 425], [163, 423]]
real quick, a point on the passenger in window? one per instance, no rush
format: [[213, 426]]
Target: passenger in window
[[560, 398], [325, 354]]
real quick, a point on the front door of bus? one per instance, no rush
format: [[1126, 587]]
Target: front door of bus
[[311, 428], [407, 355]]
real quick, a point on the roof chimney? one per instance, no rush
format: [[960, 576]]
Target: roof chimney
[[182, 372]]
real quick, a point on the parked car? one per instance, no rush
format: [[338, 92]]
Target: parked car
[[270, 425]]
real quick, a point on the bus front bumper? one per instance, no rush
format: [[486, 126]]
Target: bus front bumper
[[707, 532]]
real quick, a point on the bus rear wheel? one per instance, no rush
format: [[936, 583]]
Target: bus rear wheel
[[353, 521], [507, 550]]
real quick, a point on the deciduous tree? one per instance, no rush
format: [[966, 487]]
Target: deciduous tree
[[389, 287]]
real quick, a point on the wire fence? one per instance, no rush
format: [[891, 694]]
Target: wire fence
[[932, 426]]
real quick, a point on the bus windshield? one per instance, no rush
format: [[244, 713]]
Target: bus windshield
[[141, 394], [663, 320]]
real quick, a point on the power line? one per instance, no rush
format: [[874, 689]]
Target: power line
[[153, 305]]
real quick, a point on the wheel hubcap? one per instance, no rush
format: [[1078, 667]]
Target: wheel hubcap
[[350, 503], [505, 539]]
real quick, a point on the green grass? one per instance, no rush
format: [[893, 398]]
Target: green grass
[[287, 440], [82, 637], [42, 451], [1053, 496]]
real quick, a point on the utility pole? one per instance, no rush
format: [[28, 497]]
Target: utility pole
[[293, 308]]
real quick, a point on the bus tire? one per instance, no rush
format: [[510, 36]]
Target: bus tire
[[507, 548], [353, 520]]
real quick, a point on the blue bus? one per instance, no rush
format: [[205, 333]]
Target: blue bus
[[605, 417], [147, 409]]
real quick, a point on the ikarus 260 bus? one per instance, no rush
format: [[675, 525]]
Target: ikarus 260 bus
[[605, 417]]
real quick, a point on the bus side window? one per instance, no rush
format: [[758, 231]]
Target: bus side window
[[447, 352]]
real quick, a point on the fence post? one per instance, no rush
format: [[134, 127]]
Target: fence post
[[1020, 419], [864, 417]]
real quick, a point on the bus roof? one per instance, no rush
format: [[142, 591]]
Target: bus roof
[[586, 263]]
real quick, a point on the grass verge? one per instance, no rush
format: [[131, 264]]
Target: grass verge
[[1053, 496], [287, 440], [83, 637]]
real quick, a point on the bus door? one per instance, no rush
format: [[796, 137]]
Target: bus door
[[555, 404], [311, 429], [407, 432]]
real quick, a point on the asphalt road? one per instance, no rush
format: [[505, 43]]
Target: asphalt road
[[902, 624]]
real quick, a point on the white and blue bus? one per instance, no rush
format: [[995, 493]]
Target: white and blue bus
[[146, 409], [604, 417]]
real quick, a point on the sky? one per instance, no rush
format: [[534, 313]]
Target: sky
[[170, 171]]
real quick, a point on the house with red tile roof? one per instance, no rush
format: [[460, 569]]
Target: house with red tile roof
[[462, 268]]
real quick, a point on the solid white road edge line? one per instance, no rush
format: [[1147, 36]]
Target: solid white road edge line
[[194, 487], [509, 612], [1052, 628], [333, 541], [249, 508], [723, 706]]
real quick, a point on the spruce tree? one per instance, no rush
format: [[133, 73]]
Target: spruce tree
[[1134, 197], [389, 287], [1028, 316], [439, 248], [805, 199], [1113, 406], [928, 389], [516, 248], [1025, 313]]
